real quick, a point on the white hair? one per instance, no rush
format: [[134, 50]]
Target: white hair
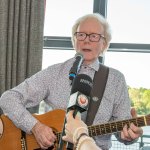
[[101, 20]]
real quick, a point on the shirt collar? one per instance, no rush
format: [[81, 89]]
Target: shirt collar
[[94, 65]]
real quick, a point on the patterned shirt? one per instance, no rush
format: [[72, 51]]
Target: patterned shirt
[[53, 86]]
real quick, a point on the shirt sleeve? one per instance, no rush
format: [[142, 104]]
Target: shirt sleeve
[[26, 95]]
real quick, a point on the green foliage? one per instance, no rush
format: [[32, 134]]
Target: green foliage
[[140, 99]]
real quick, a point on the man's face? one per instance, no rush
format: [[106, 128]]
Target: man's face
[[90, 50]]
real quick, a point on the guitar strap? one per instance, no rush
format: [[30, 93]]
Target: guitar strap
[[99, 83]]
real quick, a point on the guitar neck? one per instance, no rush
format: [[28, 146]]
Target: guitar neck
[[113, 127]]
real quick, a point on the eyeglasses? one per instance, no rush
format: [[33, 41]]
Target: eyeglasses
[[93, 37]]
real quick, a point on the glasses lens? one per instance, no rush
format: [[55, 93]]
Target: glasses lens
[[95, 37], [80, 36]]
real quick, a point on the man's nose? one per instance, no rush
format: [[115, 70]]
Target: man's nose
[[87, 38]]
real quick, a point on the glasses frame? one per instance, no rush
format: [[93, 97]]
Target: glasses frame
[[89, 35]]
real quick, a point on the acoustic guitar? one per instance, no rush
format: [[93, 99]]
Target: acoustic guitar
[[11, 137]]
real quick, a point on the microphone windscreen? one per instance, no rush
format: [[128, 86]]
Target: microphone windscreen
[[82, 83], [78, 54]]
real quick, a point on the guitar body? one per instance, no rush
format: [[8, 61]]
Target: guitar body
[[11, 136]]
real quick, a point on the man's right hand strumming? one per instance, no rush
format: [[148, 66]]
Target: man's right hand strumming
[[44, 135]]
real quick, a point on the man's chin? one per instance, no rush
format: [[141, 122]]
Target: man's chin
[[88, 61]]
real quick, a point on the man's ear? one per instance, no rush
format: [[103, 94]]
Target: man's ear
[[104, 46]]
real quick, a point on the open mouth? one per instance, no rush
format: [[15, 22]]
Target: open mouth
[[86, 50]]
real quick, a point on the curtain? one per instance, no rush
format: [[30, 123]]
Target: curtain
[[21, 40]]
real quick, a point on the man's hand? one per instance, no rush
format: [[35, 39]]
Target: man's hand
[[44, 135], [133, 132]]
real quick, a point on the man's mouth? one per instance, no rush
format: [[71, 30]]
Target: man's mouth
[[86, 50]]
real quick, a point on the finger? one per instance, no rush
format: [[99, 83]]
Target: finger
[[47, 142], [132, 134], [129, 134], [133, 112], [69, 114], [50, 140], [125, 137], [66, 131], [43, 147], [78, 116], [125, 131], [136, 130], [50, 136], [66, 138]]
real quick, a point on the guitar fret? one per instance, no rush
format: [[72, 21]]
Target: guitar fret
[[93, 131], [102, 128], [147, 118], [141, 121], [98, 131], [126, 122], [89, 129], [58, 136], [134, 121], [119, 125], [113, 127], [94, 128], [108, 128], [145, 121]]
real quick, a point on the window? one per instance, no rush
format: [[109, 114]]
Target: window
[[133, 65], [129, 20], [60, 15]]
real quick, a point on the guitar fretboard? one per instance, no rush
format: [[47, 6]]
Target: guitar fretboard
[[117, 126], [113, 127]]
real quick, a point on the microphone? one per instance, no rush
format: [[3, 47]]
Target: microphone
[[80, 92], [76, 66], [79, 100]]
